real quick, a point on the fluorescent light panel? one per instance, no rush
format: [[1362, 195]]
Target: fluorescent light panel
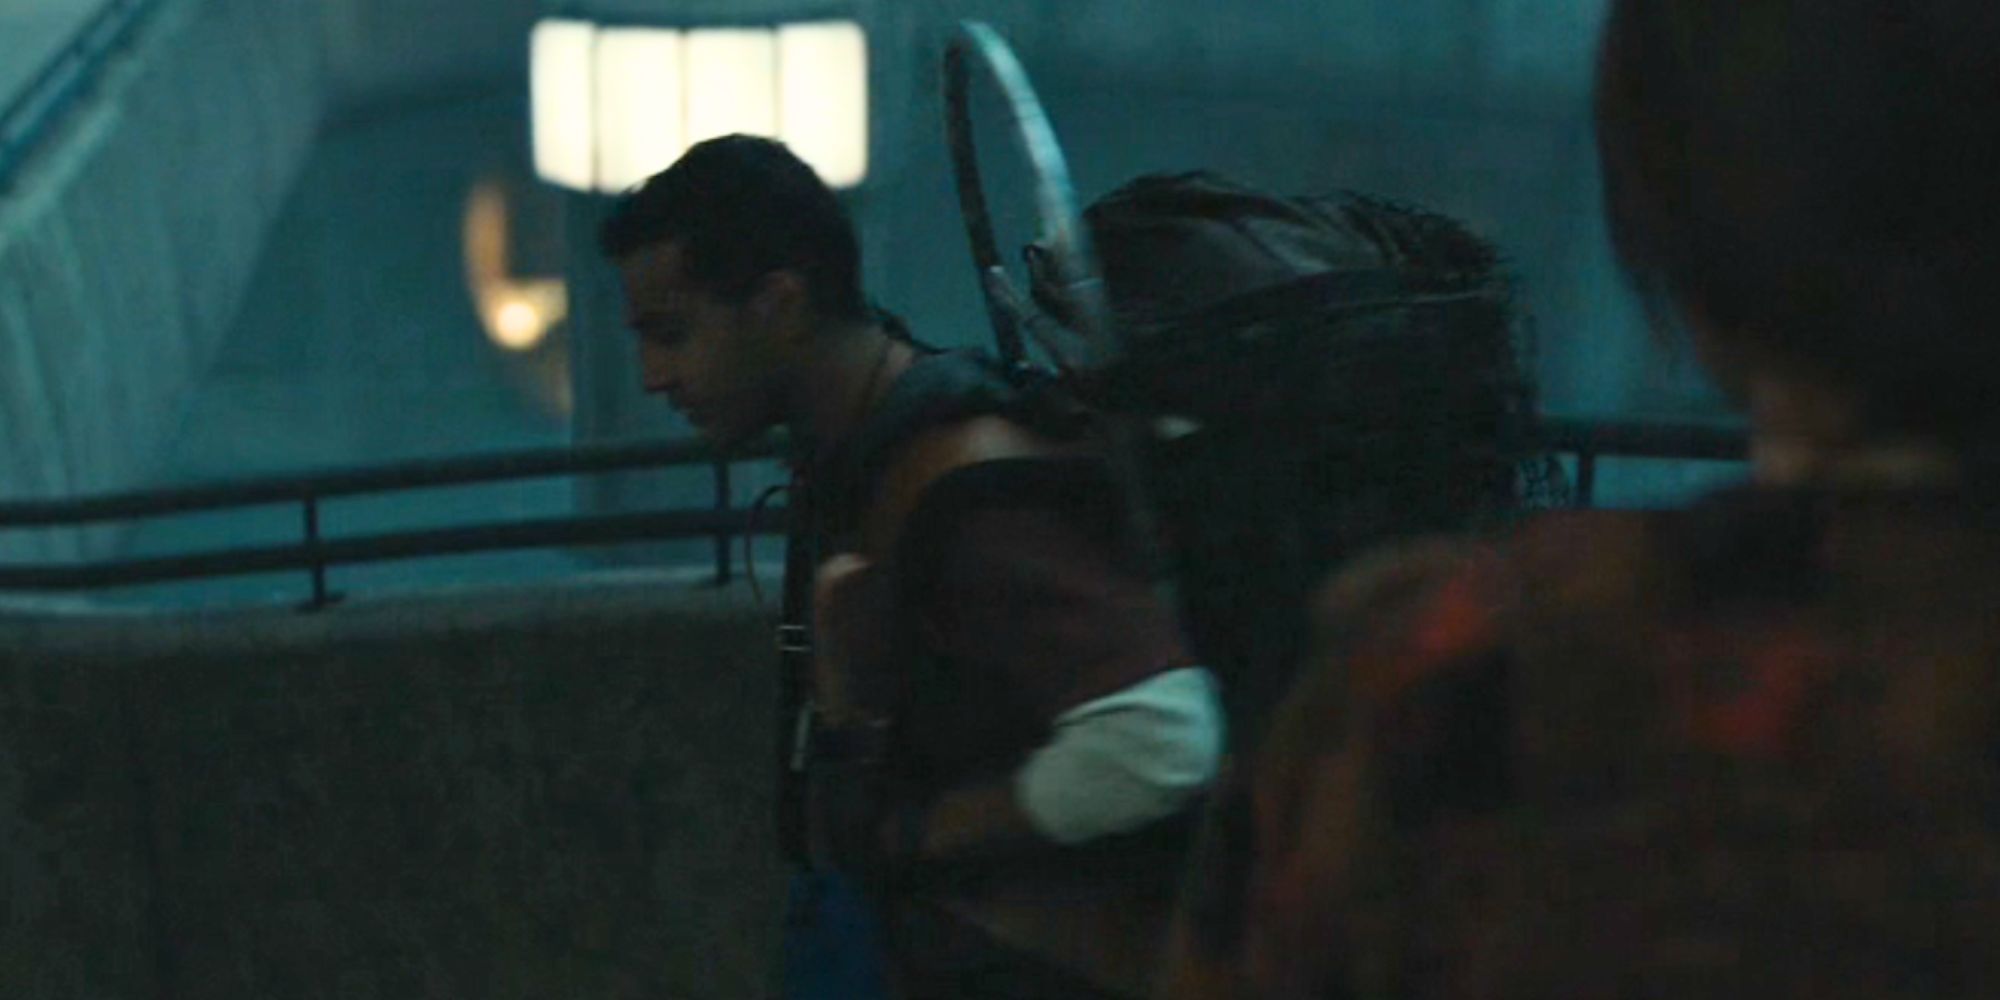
[[823, 98], [732, 76], [560, 99], [640, 102], [614, 106]]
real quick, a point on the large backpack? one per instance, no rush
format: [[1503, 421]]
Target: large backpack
[[1321, 375]]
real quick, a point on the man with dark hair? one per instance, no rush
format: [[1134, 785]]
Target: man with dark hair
[[743, 230], [996, 730]]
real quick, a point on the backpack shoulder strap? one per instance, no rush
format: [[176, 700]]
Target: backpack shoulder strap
[[794, 645], [932, 454]]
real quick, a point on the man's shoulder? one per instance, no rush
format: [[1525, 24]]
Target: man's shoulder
[[931, 455]]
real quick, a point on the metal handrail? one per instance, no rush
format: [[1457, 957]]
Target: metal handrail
[[1587, 439], [315, 554], [64, 81], [1718, 441], [392, 477]]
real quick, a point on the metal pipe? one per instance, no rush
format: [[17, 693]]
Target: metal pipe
[[319, 596], [722, 567], [524, 464], [64, 81], [557, 531]]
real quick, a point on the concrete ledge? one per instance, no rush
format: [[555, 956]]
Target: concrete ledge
[[530, 792]]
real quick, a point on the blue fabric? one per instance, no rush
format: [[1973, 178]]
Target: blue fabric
[[832, 944]]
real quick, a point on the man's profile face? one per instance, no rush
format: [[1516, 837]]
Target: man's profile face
[[712, 360]]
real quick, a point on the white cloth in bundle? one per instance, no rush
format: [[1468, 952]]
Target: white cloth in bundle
[[1124, 760]]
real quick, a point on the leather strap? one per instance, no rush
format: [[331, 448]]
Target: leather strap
[[794, 642]]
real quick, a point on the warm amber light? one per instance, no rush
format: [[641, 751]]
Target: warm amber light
[[518, 325], [516, 311]]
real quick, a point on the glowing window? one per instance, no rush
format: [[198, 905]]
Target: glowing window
[[614, 105], [559, 93]]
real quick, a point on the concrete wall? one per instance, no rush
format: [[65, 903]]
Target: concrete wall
[[1506, 55], [358, 342], [382, 52], [492, 794], [148, 333], [124, 246], [357, 339], [32, 34], [127, 244]]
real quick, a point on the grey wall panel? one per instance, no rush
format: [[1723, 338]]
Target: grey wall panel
[[129, 238]]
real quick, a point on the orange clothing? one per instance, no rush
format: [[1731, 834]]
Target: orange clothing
[[1746, 749]]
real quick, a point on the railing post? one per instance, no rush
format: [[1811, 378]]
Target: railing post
[[723, 570], [1586, 475], [320, 597]]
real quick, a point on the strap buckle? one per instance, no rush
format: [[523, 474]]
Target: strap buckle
[[794, 639]]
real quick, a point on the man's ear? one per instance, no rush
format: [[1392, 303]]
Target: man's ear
[[783, 303]]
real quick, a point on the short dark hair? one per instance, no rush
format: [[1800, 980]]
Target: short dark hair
[[742, 207], [1817, 180]]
